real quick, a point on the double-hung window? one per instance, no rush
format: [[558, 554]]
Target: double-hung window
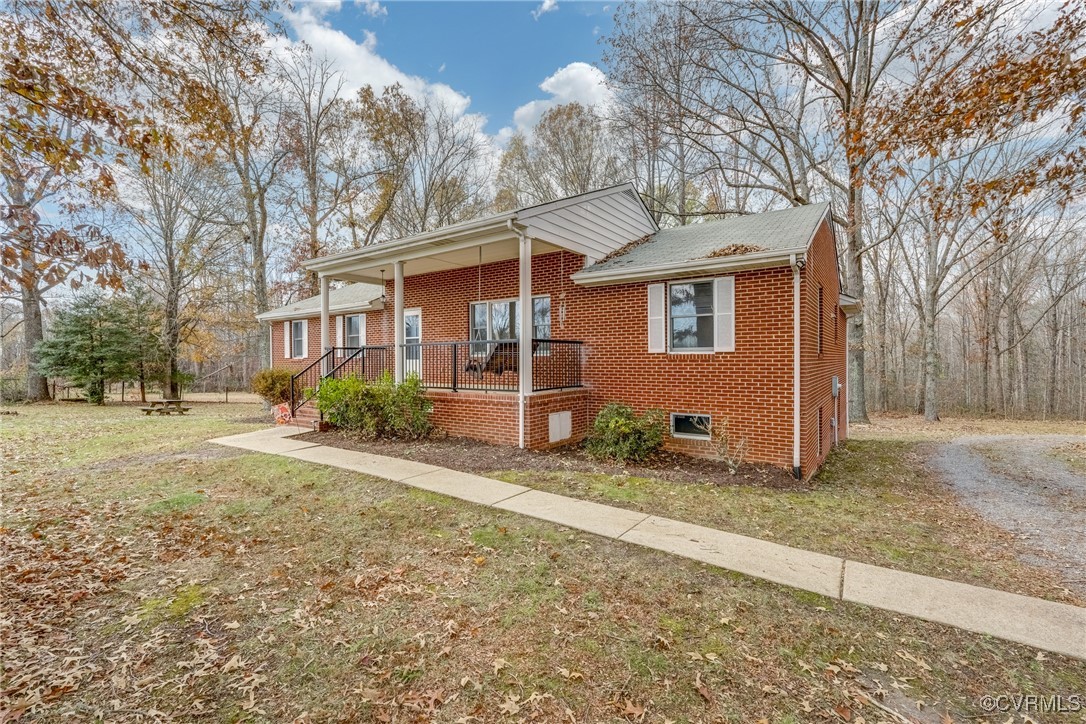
[[297, 338], [692, 316], [499, 320], [690, 313], [352, 331]]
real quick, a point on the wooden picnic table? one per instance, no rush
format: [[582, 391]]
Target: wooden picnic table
[[165, 407]]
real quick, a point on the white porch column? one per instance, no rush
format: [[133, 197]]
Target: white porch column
[[524, 307], [397, 321], [325, 332]]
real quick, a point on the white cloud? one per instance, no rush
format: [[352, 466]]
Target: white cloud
[[545, 7], [441, 69], [372, 7], [360, 62], [577, 82]]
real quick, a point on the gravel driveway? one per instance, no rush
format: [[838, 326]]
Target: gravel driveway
[[1017, 482]]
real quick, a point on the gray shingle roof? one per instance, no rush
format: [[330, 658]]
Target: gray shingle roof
[[771, 231], [347, 297]]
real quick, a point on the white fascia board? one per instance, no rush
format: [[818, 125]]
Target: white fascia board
[[390, 250], [719, 265], [372, 306]]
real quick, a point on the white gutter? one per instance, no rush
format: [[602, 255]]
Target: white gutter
[[388, 251], [756, 260], [796, 463], [374, 306]]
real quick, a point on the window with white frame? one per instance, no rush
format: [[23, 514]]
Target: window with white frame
[[353, 331], [297, 338], [692, 316], [690, 313], [497, 320], [693, 426]]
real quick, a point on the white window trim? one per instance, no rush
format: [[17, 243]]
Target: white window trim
[[689, 436], [489, 322], [668, 318], [305, 339], [345, 337], [718, 345]]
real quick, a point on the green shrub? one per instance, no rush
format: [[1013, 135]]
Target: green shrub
[[618, 433], [273, 386], [407, 410], [378, 409]]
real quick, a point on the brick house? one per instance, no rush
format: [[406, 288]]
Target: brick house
[[739, 322]]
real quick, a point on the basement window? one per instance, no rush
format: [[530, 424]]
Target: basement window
[[691, 426]]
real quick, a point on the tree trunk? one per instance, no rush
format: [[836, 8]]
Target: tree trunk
[[37, 386], [172, 329], [857, 394], [931, 367]]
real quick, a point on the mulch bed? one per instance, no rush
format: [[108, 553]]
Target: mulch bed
[[472, 456]]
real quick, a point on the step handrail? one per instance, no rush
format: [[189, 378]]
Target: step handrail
[[294, 404]]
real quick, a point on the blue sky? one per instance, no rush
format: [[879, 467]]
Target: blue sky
[[488, 58]]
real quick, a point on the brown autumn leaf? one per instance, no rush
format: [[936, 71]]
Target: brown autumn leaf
[[702, 689]]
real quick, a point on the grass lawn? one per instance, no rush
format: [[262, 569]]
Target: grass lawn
[[149, 575], [874, 501]]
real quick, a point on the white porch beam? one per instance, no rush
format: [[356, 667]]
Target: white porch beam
[[524, 307], [325, 331], [397, 323]]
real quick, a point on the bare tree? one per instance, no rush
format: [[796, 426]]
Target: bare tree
[[444, 174], [182, 229], [251, 112], [570, 151], [329, 152]]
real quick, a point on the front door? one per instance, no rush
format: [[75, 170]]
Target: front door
[[412, 340]]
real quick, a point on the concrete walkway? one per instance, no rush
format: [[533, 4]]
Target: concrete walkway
[[1055, 627]]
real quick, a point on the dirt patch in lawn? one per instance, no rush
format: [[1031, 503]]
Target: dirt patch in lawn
[[472, 456]]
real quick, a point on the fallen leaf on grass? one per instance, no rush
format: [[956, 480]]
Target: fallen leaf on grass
[[500, 664], [703, 690], [510, 706], [571, 675], [232, 625], [633, 710]]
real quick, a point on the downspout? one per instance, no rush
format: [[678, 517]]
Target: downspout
[[797, 468]]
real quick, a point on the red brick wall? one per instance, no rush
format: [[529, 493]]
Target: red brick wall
[[488, 416], [542, 404], [313, 334], [817, 370], [750, 387]]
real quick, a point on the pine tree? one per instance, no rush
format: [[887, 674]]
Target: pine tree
[[93, 344]]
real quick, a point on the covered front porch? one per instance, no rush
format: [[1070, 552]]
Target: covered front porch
[[466, 315]]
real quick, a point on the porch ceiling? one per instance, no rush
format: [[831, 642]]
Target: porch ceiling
[[458, 256]]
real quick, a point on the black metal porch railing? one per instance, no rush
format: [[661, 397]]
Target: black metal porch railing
[[493, 364], [557, 364], [304, 384], [485, 365], [366, 363]]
